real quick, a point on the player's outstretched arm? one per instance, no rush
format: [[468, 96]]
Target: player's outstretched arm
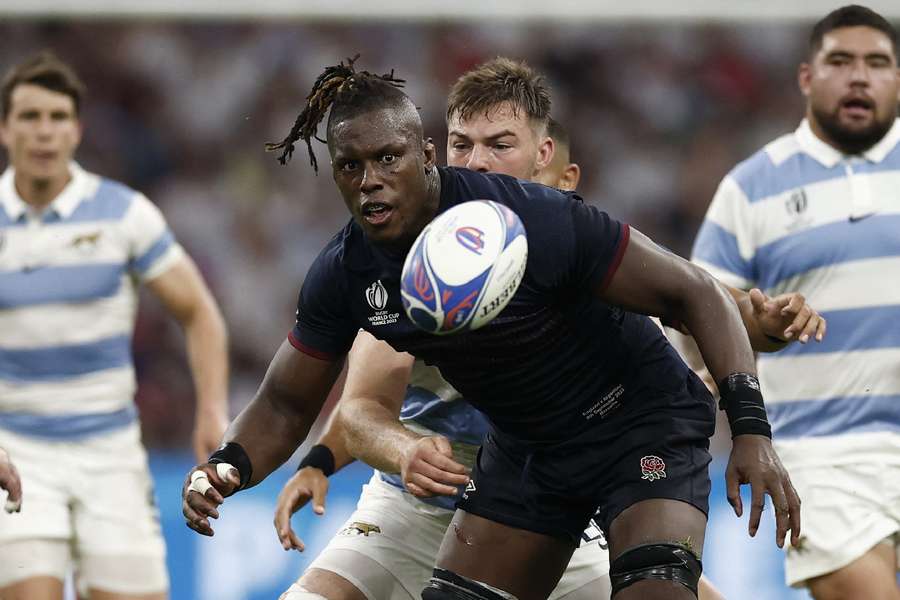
[[653, 281], [310, 482], [773, 322], [373, 395], [9, 481], [263, 435], [184, 294]]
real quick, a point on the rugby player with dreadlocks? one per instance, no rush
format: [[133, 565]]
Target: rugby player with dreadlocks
[[582, 394]]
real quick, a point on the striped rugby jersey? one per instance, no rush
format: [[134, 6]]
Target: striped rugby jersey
[[68, 299], [800, 216]]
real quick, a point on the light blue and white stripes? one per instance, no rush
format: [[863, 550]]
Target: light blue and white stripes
[[798, 216], [68, 303]]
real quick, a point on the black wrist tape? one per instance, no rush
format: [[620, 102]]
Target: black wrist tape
[[319, 457], [234, 454], [742, 402]]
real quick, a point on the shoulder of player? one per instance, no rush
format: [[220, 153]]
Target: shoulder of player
[[753, 175]]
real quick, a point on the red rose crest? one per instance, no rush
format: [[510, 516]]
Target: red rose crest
[[653, 468]]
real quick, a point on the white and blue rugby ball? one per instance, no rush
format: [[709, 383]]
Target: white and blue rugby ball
[[464, 267]]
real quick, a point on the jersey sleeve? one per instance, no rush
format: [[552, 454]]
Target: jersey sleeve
[[152, 246], [724, 245], [324, 327]]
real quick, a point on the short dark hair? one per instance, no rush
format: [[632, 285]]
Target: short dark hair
[[347, 92], [559, 133], [852, 15], [46, 70], [497, 81]]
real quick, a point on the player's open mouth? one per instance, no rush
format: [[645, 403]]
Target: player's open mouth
[[376, 213], [858, 107]]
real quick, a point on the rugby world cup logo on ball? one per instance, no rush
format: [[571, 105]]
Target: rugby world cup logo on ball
[[464, 267]]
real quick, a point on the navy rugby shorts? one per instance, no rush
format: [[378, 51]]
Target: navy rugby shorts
[[651, 448]]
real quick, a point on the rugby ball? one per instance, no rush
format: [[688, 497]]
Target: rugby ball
[[464, 267]]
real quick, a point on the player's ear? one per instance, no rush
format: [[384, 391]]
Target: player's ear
[[570, 177], [804, 78], [546, 148]]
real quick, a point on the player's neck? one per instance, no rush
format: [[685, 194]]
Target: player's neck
[[38, 193]]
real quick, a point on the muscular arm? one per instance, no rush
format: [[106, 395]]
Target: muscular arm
[[370, 406], [280, 415], [652, 281], [184, 294]]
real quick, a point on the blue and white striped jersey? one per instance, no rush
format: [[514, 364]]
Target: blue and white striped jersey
[[800, 216], [68, 299], [433, 406]]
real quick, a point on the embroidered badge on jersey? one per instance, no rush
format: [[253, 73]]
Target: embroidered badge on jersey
[[652, 468], [377, 297]]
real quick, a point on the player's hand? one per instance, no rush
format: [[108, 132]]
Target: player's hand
[[9, 481], [209, 429], [309, 483], [787, 317], [428, 468], [204, 490], [753, 460]]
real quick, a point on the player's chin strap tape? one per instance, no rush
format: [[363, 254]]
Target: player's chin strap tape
[[235, 455], [666, 562], [447, 585], [742, 402]]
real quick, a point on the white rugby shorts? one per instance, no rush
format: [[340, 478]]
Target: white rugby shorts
[[846, 510], [403, 536], [96, 496]]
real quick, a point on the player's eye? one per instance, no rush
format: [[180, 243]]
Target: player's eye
[[502, 146], [461, 147], [348, 166], [389, 159], [878, 62]]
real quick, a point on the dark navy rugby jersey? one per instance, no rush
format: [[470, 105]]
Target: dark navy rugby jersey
[[553, 361]]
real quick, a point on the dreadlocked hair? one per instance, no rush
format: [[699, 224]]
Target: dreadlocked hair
[[339, 85]]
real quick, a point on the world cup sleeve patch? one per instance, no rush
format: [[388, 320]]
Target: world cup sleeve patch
[[652, 468]]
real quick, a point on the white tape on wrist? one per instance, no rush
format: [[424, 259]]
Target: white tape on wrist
[[200, 482], [12, 506]]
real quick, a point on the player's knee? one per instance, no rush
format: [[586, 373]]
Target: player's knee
[[660, 561], [297, 592], [447, 585]]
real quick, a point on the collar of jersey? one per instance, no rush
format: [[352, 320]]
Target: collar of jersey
[[829, 156], [63, 205]]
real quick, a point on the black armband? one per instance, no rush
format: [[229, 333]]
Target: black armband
[[319, 457], [235, 455], [742, 402]]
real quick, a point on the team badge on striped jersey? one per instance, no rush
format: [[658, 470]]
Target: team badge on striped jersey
[[653, 468]]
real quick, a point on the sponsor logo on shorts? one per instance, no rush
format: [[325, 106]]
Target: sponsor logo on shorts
[[652, 468], [359, 528], [470, 487]]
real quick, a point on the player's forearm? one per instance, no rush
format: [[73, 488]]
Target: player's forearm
[[374, 435], [759, 341], [207, 348], [269, 432], [334, 438], [715, 322]]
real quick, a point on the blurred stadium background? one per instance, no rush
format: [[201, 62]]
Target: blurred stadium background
[[661, 98]]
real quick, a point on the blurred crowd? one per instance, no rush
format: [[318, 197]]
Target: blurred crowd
[[181, 111]]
